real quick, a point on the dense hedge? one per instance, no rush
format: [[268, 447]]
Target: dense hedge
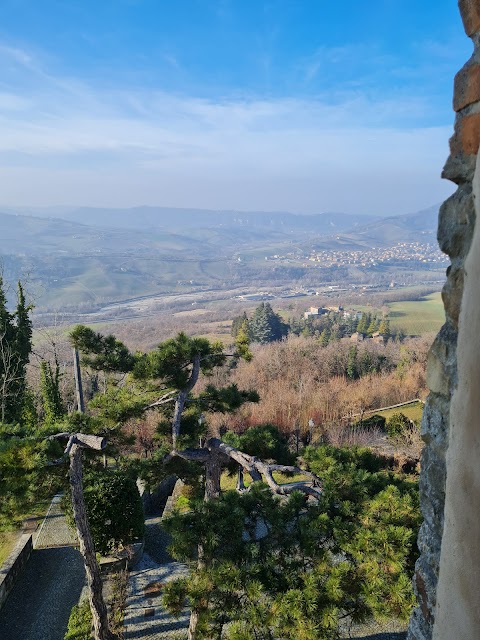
[[114, 509]]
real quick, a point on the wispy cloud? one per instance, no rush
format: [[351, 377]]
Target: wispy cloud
[[72, 140], [171, 60], [18, 55], [342, 62]]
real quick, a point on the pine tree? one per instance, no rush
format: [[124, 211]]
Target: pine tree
[[307, 330], [266, 326], [362, 323], [351, 325], [373, 326], [324, 337], [239, 323], [242, 341], [283, 568], [384, 327]]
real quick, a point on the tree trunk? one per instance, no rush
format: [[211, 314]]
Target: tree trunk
[[195, 613], [94, 580], [192, 627], [177, 416], [240, 479], [181, 399], [213, 470], [78, 381]]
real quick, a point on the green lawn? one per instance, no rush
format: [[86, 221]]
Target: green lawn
[[412, 411], [419, 316], [230, 482]]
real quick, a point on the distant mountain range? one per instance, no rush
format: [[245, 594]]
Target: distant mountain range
[[142, 218]]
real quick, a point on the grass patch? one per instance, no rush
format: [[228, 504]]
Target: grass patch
[[80, 622], [417, 316], [8, 540], [10, 529], [412, 411], [230, 482]]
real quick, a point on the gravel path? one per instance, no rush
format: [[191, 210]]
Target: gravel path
[[39, 605], [382, 636], [145, 616], [390, 630], [54, 531]]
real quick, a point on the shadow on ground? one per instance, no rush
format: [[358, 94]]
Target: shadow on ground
[[39, 604]]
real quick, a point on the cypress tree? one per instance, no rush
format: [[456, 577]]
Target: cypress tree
[[52, 403], [15, 349], [352, 370]]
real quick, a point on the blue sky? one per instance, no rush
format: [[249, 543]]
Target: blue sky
[[299, 105]]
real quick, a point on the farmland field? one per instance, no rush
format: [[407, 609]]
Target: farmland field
[[419, 316]]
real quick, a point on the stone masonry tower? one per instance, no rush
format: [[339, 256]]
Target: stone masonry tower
[[447, 578]]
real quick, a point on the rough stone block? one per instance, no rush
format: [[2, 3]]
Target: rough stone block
[[424, 586], [459, 168], [466, 138], [470, 12], [466, 86], [434, 427], [432, 489], [418, 628], [452, 293], [442, 361], [470, 133], [455, 223], [429, 545], [437, 377]]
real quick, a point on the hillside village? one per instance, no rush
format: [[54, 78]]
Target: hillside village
[[408, 254]]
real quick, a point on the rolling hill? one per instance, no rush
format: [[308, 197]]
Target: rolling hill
[[86, 256], [420, 226]]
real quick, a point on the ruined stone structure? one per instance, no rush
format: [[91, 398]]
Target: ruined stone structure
[[447, 572]]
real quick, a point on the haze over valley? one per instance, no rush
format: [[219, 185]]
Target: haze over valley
[[117, 262]]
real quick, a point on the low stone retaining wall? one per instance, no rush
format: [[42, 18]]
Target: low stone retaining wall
[[125, 559], [14, 565]]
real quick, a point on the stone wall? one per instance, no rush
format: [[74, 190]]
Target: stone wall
[[172, 499], [455, 233], [14, 565], [155, 500]]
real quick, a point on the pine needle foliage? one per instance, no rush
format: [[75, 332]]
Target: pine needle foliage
[[287, 568]]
